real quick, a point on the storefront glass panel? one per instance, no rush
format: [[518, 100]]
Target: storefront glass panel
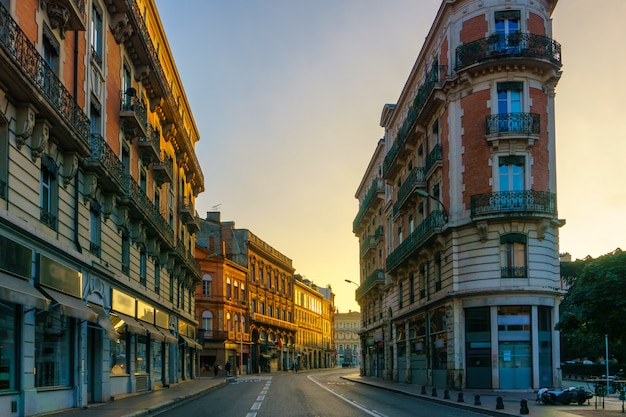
[[53, 354]]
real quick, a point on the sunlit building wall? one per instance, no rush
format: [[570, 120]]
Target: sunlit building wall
[[98, 179]]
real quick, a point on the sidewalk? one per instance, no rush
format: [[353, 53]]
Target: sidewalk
[[148, 403], [511, 400]]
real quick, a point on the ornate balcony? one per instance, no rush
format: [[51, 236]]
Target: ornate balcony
[[271, 321], [133, 115], [106, 165], [375, 279], [150, 146], [163, 170], [520, 46], [430, 226], [375, 192], [434, 158], [23, 66], [513, 204], [193, 225], [415, 179], [185, 210]]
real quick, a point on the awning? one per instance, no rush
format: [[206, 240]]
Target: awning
[[70, 306], [168, 336], [104, 321], [191, 343], [19, 291], [118, 320], [155, 334]]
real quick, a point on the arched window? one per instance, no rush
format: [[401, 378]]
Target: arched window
[[236, 291], [207, 282], [207, 323], [229, 323], [228, 289]]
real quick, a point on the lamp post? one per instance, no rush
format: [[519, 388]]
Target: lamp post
[[443, 206], [351, 282]]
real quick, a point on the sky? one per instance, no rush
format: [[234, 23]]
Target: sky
[[287, 97]]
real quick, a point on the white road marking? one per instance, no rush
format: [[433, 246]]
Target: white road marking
[[256, 406], [352, 403], [260, 397], [251, 415]]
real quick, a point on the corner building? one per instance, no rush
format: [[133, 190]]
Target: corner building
[[98, 178], [470, 291]]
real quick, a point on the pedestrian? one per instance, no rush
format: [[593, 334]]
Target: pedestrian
[[227, 368], [215, 368]]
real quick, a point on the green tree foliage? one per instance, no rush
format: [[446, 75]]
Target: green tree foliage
[[594, 306]]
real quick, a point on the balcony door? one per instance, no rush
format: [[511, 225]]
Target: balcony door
[[507, 27], [511, 173]]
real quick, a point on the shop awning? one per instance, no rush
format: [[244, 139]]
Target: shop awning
[[19, 291], [168, 336], [132, 325], [154, 333], [70, 306], [191, 343], [104, 321]]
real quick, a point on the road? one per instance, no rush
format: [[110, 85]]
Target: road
[[307, 394]]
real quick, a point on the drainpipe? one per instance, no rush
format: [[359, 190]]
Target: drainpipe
[[76, 182]]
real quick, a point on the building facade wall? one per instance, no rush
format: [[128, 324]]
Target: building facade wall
[[96, 208], [470, 207]]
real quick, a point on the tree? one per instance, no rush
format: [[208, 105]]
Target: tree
[[594, 306]]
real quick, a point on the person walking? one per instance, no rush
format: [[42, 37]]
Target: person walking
[[227, 368], [215, 368]]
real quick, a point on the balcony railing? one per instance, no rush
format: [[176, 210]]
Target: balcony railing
[[524, 123], [369, 199], [185, 210], [106, 164], [524, 45], [133, 114], [376, 277], [163, 170], [150, 146], [414, 241], [514, 272], [24, 54], [435, 155], [513, 203], [416, 178], [48, 218], [261, 318]]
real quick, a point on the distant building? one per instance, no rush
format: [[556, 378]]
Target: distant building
[[457, 223], [98, 180], [347, 340]]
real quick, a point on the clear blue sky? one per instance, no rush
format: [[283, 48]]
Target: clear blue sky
[[287, 96]]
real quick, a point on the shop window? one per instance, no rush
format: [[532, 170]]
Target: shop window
[[9, 342], [53, 350], [118, 355], [156, 354], [141, 354]]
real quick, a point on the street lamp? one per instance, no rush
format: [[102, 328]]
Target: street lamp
[[443, 206], [351, 282]]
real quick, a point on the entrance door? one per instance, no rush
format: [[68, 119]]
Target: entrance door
[[515, 363], [91, 363]]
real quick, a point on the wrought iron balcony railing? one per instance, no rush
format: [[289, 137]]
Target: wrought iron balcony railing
[[514, 272], [525, 45], [524, 123], [104, 162], [185, 210], [435, 220], [48, 218], [193, 225], [261, 318], [415, 179], [150, 146], [513, 203], [370, 198], [163, 170], [435, 155], [376, 277], [133, 115], [26, 57]]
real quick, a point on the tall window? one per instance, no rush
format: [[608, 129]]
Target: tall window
[[509, 101], [9, 340], [49, 192], [95, 225], [143, 267], [207, 281], [236, 290], [228, 288], [437, 271], [157, 277], [411, 288], [507, 28], [207, 323], [171, 277], [511, 173], [513, 255], [400, 293], [96, 35], [52, 349], [423, 280], [229, 324], [125, 252], [51, 48], [4, 157]]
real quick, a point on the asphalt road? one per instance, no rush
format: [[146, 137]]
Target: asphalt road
[[307, 394]]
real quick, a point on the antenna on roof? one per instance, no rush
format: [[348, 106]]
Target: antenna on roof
[[216, 207]]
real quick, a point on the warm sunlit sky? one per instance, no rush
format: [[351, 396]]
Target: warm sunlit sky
[[287, 96]]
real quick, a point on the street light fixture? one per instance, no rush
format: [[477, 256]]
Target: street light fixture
[[351, 282], [443, 206]]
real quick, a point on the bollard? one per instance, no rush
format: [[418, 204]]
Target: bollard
[[523, 407], [446, 394], [423, 389], [499, 403], [477, 400], [460, 399], [434, 394]]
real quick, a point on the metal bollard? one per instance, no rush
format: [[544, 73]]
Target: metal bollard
[[446, 394], [523, 407], [499, 403], [477, 400], [423, 389], [434, 392], [460, 399]]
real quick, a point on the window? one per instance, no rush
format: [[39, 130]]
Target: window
[[228, 289], [207, 281], [53, 350], [125, 252], [509, 101], [507, 25], [236, 290], [141, 354], [269, 278], [511, 174], [437, 271], [411, 288], [171, 288], [228, 322], [157, 277], [49, 192], [95, 224], [513, 255], [96, 35], [4, 157], [423, 280], [9, 340], [118, 363], [207, 323], [143, 273], [50, 51], [400, 294]]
